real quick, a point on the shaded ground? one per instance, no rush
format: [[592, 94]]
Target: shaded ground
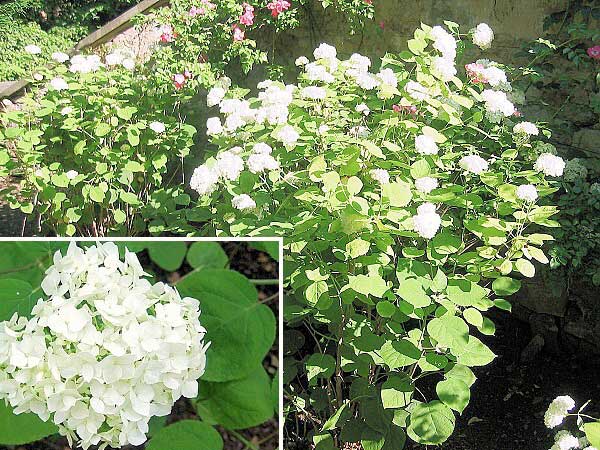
[[255, 265], [510, 397]]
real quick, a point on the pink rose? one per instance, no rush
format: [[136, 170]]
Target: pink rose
[[247, 18], [278, 6], [179, 80], [594, 52], [238, 33]]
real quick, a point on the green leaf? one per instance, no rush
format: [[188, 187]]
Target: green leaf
[[462, 373], [102, 129], [203, 255], [23, 428], [269, 247], [398, 193], [454, 393], [316, 291], [525, 267], [357, 247], [450, 331], [319, 365], [16, 298], [186, 435], [419, 169], [430, 423], [592, 432], [96, 194], [476, 353], [400, 353], [446, 243], [168, 255], [237, 404], [464, 292], [397, 391], [340, 416], [505, 286], [130, 198], [473, 316], [371, 284], [241, 330], [385, 308]]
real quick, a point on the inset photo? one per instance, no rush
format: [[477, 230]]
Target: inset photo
[[159, 345]]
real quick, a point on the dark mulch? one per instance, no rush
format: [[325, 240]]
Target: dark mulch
[[255, 265]]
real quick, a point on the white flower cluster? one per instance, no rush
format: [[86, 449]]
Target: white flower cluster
[[425, 145], [558, 410], [527, 192], [565, 441], [474, 164], [427, 222], [426, 184], [497, 105], [121, 57], [483, 36], [85, 64], [107, 351], [380, 175], [443, 66], [550, 164], [526, 128], [261, 159], [59, 84]]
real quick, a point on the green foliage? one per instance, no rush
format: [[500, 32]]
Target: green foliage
[[54, 25], [22, 428], [373, 307], [90, 162], [187, 435], [560, 60]]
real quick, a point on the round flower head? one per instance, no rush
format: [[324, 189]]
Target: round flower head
[[214, 126], [60, 57], [497, 104], [242, 202], [325, 51], [33, 49], [527, 192], [215, 95], [425, 145], [427, 222], [558, 410], [72, 174], [107, 351], [204, 180], [527, 128], [550, 165], [565, 440], [229, 165], [157, 127], [444, 42], [288, 135], [301, 61], [426, 184], [314, 93], [483, 36], [380, 175], [443, 68], [59, 84], [474, 164], [362, 109]]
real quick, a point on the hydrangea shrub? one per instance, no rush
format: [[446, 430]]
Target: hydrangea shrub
[[412, 198], [95, 146], [93, 347]]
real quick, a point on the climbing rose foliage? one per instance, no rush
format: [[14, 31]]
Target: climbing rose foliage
[[106, 350]]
